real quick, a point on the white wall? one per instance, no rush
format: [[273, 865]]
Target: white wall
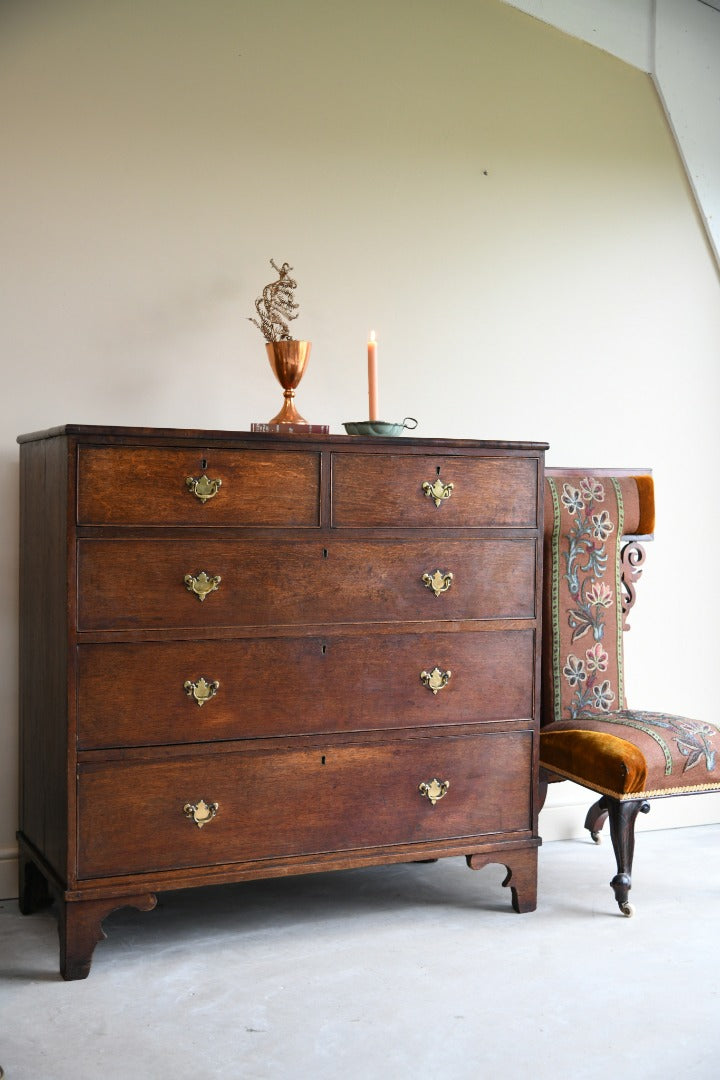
[[687, 74], [624, 28], [678, 42], [503, 205]]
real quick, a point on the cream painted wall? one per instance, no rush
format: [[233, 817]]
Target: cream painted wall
[[678, 42], [503, 205]]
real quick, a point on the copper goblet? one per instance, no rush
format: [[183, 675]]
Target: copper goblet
[[288, 360]]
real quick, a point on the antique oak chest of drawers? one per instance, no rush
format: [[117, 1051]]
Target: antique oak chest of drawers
[[247, 655]]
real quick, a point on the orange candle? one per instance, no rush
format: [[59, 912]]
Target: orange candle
[[372, 377]]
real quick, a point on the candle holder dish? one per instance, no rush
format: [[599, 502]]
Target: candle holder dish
[[379, 427]]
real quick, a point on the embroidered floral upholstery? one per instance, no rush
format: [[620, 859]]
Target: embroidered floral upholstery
[[589, 735]]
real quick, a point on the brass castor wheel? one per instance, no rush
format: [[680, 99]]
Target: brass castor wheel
[[627, 909], [596, 836]]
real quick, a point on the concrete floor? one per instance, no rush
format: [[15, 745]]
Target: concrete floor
[[402, 972]]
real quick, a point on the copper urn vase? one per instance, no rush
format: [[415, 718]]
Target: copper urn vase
[[288, 359]]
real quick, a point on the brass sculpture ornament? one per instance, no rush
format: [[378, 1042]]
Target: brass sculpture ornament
[[288, 357]]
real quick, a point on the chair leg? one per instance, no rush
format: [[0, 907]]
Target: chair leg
[[622, 833], [596, 818], [542, 789]]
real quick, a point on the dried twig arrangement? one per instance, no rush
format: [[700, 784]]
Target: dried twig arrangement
[[276, 307]]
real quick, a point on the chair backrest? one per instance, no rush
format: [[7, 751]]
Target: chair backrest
[[588, 515]]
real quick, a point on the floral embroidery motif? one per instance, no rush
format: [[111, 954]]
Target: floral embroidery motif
[[602, 525], [586, 614], [585, 557], [586, 541], [574, 670], [597, 658], [692, 737], [603, 696]]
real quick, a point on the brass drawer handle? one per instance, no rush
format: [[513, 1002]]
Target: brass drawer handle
[[200, 812], [436, 679], [438, 582], [438, 491], [202, 584], [434, 790], [203, 488], [202, 690]]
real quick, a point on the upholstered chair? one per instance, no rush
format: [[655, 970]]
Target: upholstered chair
[[594, 523]]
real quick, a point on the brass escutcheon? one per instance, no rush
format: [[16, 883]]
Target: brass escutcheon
[[438, 582], [202, 584], [200, 812], [434, 789], [436, 679], [437, 491], [202, 690], [202, 488]]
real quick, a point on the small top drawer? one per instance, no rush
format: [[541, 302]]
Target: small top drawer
[[439, 492], [139, 485]]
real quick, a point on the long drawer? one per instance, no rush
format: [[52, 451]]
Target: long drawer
[[136, 583], [425, 491], [126, 485], [132, 816], [181, 692]]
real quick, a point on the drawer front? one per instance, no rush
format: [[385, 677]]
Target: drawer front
[[151, 694], [129, 584], [131, 816], [395, 490], [124, 485]]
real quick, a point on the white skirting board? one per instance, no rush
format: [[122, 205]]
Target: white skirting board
[[563, 816], [8, 873]]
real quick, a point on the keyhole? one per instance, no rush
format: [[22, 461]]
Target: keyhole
[[438, 470], [203, 464], [322, 760], [325, 553], [323, 649]]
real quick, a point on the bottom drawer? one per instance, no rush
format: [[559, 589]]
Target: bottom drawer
[[275, 803]]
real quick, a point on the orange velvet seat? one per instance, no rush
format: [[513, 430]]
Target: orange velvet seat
[[605, 762]]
